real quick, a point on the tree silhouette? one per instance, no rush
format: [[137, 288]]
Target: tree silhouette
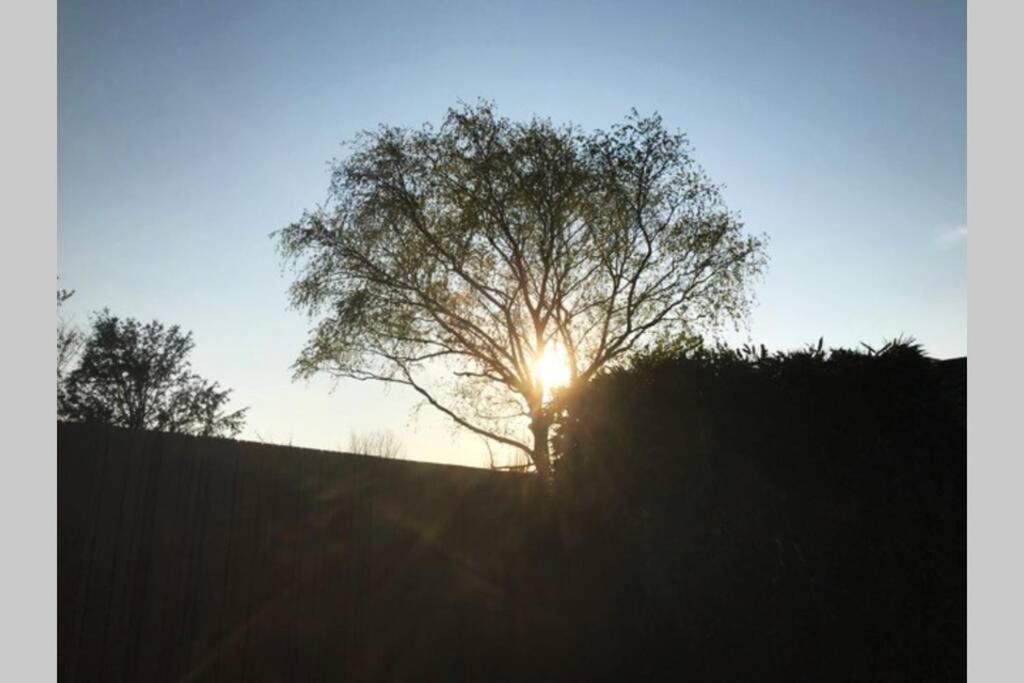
[[451, 260], [138, 376], [69, 343]]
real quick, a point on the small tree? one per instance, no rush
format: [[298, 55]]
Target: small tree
[[486, 261], [380, 443], [138, 376]]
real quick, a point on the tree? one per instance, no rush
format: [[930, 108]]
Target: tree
[[459, 261], [69, 343], [138, 376]]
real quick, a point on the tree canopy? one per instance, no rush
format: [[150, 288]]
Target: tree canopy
[[138, 376], [458, 260]]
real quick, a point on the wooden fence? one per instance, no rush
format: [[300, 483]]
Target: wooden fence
[[202, 559]]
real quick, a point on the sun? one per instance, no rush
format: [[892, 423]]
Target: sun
[[552, 368]]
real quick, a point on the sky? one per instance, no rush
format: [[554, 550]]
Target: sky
[[189, 131]]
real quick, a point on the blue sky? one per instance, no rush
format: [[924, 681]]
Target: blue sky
[[189, 131]]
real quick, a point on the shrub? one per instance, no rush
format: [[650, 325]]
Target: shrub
[[796, 516]]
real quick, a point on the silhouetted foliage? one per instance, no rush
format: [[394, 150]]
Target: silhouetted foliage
[[138, 376], [472, 250], [69, 344], [740, 515]]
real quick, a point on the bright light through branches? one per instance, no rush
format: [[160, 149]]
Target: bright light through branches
[[551, 369]]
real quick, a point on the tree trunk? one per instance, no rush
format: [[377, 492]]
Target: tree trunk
[[541, 453]]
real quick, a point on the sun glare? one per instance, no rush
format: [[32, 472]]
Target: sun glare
[[552, 368]]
